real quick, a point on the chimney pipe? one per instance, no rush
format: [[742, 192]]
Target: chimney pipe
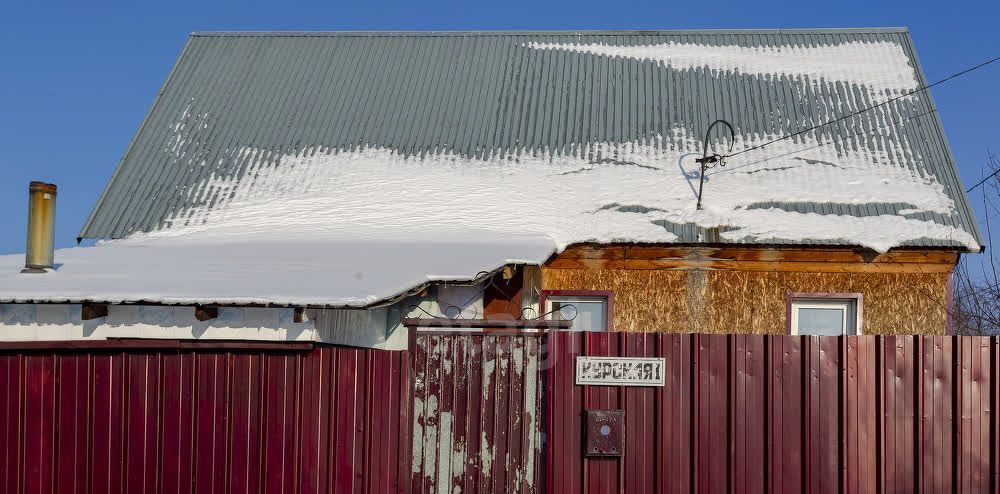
[[41, 228]]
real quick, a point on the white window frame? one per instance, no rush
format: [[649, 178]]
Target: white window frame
[[851, 303], [581, 296]]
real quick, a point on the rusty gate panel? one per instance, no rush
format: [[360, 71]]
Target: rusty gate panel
[[477, 413], [203, 419], [754, 414]]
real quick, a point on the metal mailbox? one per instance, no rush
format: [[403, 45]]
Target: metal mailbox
[[605, 433]]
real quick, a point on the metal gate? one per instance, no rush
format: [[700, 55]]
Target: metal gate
[[477, 408]]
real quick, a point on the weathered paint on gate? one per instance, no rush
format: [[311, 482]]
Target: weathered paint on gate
[[477, 409], [751, 413], [203, 420]]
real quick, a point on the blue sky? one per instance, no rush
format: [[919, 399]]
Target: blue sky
[[78, 77]]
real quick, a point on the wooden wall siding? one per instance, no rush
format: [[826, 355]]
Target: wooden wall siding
[[754, 259], [712, 299], [755, 414]]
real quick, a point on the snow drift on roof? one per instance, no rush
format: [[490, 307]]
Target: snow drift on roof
[[881, 66], [616, 193], [355, 228]]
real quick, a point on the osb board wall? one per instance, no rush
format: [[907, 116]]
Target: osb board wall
[[707, 301]]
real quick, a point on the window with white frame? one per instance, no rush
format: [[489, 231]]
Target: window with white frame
[[825, 315], [589, 311]]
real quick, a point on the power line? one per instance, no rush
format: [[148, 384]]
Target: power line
[[983, 181], [888, 124], [854, 114]]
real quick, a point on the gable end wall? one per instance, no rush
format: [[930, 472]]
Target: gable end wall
[[727, 296]]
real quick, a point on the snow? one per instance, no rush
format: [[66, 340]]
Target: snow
[[622, 194], [881, 232], [882, 66], [354, 228], [246, 269]]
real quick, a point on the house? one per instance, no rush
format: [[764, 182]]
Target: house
[[342, 187], [431, 262]]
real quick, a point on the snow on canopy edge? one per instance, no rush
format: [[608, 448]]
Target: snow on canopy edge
[[88, 274]]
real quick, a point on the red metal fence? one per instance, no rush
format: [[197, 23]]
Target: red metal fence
[[743, 413], [738, 413], [203, 420]]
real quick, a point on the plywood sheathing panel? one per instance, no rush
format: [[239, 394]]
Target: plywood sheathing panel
[[715, 301]]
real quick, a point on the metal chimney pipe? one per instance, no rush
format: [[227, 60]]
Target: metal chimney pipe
[[40, 253]]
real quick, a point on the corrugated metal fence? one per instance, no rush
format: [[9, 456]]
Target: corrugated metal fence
[[738, 413], [742, 413], [203, 420]]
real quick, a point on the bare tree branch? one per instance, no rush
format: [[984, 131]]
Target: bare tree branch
[[975, 307]]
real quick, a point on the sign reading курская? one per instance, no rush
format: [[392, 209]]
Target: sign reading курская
[[620, 371]]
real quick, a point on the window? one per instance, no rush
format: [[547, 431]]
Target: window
[[589, 310], [822, 314]]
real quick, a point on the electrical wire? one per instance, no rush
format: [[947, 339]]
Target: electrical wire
[[888, 124], [858, 112], [983, 181]]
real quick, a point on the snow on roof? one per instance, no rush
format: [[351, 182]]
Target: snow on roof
[[623, 193], [881, 65], [240, 103], [320, 229], [248, 269], [352, 223]]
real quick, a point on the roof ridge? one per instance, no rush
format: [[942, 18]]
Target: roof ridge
[[563, 32]]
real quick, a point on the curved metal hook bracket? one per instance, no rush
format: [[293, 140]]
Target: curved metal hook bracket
[[707, 161], [451, 311]]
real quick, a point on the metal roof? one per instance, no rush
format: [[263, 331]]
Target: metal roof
[[480, 94]]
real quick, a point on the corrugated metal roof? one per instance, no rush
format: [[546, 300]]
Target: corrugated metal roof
[[481, 94]]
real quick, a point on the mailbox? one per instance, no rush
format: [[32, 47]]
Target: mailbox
[[605, 433]]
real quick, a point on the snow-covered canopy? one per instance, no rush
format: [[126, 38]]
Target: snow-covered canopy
[[226, 267]]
